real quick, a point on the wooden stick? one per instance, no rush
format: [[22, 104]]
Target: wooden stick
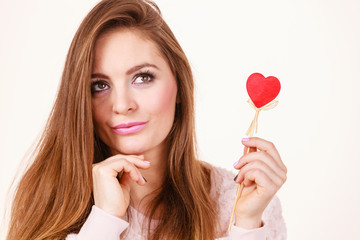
[[250, 132], [239, 190], [238, 194]]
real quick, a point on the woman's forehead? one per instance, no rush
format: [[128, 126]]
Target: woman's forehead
[[126, 48]]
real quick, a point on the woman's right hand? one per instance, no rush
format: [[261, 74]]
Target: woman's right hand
[[111, 195]]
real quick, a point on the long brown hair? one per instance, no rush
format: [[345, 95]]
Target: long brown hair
[[54, 197]]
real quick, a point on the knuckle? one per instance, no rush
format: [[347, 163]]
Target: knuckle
[[271, 145], [263, 154], [124, 161], [284, 178], [257, 172], [96, 167], [99, 170], [257, 164]]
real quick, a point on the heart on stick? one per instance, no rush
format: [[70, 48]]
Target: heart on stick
[[262, 90]]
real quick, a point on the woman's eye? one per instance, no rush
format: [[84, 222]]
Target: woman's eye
[[99, 86], [143, 78]]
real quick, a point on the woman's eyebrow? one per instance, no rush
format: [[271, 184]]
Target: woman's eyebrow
[[99, 75], [138, 67], [130, 71]]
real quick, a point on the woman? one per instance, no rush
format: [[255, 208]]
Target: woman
[[117, 155]]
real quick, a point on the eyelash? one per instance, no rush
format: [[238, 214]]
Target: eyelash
[[96, 82], [145, 73]]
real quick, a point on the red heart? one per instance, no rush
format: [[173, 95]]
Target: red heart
[[262, 90]]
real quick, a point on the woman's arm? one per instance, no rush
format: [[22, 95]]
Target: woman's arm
[[273, 226], [111, 197], [100, 225]]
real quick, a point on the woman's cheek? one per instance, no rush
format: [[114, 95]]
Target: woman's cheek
[[163, 101], [99, 110]]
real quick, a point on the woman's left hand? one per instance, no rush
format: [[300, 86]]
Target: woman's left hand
[[262, 173]]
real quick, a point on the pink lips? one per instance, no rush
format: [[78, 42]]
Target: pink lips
[[129, 128]]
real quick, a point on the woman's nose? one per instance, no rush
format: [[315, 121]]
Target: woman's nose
[[123, 101]]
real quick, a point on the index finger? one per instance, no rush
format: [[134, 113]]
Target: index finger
[[138, 161]]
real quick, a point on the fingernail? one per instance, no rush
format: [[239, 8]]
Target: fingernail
[[147, 162], [246, 139], [141, 156], [235, 163], [235, 178], [145, 179]]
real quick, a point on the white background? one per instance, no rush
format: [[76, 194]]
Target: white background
[[313, 47]]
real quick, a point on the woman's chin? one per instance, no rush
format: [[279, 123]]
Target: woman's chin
[[129, 151]]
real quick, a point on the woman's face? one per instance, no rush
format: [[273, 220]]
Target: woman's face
[[133, 93]]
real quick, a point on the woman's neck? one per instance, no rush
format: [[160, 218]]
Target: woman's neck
[[142, 195]]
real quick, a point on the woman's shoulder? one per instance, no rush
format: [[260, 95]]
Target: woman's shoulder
[[223, 193], [222, 181]]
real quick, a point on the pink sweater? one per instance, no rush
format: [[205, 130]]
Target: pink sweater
[[101, 225]]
